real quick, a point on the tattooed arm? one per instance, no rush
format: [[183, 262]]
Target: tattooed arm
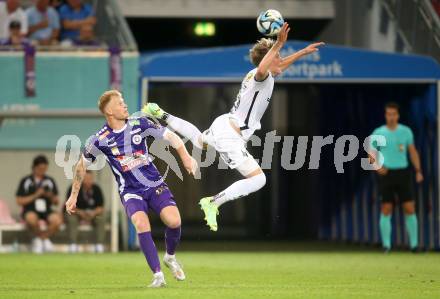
[[80, 170]]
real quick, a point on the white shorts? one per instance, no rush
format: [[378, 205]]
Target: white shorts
[[230, 145]]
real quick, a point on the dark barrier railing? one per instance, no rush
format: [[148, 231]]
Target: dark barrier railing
[[419, 24]]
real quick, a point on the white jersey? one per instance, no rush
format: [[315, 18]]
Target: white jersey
[[251, 103]]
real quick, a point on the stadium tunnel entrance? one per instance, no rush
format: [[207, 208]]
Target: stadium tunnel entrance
[[335, 92]]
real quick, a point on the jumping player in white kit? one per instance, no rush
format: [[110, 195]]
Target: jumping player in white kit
[[230, 132]]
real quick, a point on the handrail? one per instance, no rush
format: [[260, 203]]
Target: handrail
[[418, 24]]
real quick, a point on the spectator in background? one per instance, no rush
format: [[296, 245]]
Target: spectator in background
[[15, 37], [10, 10], [37, 193], [44, 23], [89, 209], [56, 4], [76, 15], [86, 37]]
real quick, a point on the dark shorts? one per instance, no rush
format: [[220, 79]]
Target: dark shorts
[[155, 198], [396, 185], [41, 216]]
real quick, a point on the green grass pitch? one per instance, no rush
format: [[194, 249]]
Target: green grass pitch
[[280, 270]]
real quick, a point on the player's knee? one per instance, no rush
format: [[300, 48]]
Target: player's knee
[[386, 209], [409, 209], [55, 219], [174, 223], [31, 218], [263, 179], [260, 180], [140, 224]]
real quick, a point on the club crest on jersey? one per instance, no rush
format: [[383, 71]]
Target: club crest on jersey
[[103, 135], [160, 189], [137, 139]]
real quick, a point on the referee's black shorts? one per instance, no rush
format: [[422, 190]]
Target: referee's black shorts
[[397, 184]]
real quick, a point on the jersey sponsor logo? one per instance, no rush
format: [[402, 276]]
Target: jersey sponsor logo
[[130, 162], [137, 139], [103, 135], [135, 131], [112, 144], [134, 122], [115, 151]]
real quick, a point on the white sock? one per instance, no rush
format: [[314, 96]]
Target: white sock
[[169, 256], [186, 129], [240, 188]]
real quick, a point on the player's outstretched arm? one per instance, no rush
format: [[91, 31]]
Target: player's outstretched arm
[[287, 61], [80, 171], [176, 142], [263, 67]]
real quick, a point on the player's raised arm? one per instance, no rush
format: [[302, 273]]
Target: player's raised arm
[[264, 66], [176, 142], [287, 61], [80, 171]]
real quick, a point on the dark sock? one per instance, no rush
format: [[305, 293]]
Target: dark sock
[[172, 239], [150, 252]]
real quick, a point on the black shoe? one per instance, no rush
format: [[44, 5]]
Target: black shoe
[[418, 250]]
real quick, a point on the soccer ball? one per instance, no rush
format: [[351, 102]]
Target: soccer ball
[[269, 22]]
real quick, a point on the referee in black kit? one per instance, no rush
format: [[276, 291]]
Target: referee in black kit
[[395, 176]]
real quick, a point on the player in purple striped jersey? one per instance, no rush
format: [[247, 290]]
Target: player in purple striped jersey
[[122, 140]]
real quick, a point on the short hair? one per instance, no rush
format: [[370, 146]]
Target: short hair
[[106, 97], [392, 105], [14, 25], [260, 49], [40, 159]]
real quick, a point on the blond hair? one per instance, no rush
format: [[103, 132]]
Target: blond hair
[[260, 49], [106, 97]]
